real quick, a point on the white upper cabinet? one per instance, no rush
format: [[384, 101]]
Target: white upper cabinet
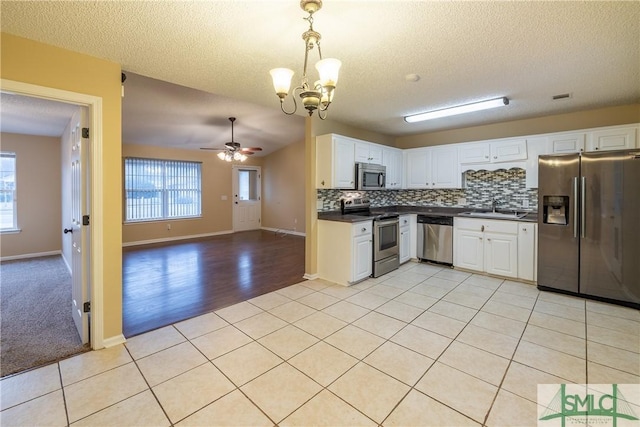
[[432, 167], [509, 150], [479, 152], [535, 148], [445, 172], [392, 159], [335, 162], [612, 139], [417, 171], [368, 153], [566, 143]]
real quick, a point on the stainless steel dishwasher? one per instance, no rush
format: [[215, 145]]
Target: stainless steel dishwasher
[[435, 239]]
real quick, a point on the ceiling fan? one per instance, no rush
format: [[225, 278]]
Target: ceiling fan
[[232, 150]]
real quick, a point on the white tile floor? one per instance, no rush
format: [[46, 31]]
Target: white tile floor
[[420, 346]]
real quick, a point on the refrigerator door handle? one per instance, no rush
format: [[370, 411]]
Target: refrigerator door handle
[[583, 204], [575, 206]]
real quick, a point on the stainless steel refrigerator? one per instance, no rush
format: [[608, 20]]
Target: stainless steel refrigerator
[[589, 225]]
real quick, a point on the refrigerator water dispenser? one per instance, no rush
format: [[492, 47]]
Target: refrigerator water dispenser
[[555, 210]]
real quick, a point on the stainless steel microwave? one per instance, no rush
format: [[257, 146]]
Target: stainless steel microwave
[[370, 176]]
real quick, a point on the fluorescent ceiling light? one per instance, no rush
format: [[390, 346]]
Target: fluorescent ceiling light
[[460, 109]]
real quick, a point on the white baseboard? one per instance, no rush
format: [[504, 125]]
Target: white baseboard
[[310, 276], [172, 239], [33, 255], [284, 231], [113, 341]]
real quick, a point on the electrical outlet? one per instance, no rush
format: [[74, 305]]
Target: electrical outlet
[[525, 203], [168, 226], [462, 201], [439, 199]]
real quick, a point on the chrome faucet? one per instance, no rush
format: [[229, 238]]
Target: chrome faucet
[[494, 204]]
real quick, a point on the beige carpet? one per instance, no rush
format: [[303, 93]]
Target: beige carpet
[[36, 325]]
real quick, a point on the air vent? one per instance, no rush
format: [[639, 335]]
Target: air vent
[[561, 96]]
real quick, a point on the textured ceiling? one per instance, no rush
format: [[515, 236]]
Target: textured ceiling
[[463, 51]]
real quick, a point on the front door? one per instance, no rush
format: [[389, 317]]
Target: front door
[[247, 197], [80, 232]]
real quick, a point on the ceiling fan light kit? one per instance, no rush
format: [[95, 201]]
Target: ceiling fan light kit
[[232, 151], [320, 95], [459, 109]]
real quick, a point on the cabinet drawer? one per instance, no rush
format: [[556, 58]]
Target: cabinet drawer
[[487, 225], [361, 228]]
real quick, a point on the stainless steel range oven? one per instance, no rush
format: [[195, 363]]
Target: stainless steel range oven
[[386, 245], [386, 234]]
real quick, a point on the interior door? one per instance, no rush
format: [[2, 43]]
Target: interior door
[[80, 232], [247, 187]]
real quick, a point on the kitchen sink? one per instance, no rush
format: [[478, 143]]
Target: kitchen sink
[[495, 215]]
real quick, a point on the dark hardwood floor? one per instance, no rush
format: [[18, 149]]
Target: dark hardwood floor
[[169, 282]]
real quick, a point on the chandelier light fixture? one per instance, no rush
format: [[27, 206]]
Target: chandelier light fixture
[[459, 109], [319, 95]]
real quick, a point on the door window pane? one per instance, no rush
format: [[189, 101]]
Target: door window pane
[[248, 185]]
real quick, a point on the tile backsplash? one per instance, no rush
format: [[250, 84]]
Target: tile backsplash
[[481, 187]]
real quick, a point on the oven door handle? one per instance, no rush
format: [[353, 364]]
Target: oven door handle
[[386, 222], [380, 179]]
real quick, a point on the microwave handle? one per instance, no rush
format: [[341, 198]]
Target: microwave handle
[[380, 180]]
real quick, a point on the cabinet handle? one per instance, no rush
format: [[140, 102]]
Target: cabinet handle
[[482, 228], [524, 229], [596, 148], [486, 157], [363, 230], [322, 182], [488, 240], [495, 157]]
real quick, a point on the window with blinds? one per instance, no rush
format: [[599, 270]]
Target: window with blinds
[[161, 189], [8, 211]]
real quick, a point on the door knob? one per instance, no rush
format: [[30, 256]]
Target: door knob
[[68, 230]]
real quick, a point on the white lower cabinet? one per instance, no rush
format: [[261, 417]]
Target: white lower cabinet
[[528, 251], [345, 251], [405, 238], [487, 246]]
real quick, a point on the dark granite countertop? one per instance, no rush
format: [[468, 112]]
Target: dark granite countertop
[[420, 210]]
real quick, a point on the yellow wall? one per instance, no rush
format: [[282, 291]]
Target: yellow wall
[[556, 123], [322, 127], [36, 63], [38, 185], [283, 189]]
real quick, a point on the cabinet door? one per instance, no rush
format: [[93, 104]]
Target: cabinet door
[[444, 168], [612, 139], [509, 151], [418, 175], [362, 258], [527, 251], [343, 164], [468, 250], [368, 153], [474, 153], [375, 154], [405, 242], [567, 143], [535, 148], [501, 254], [392, 159], [362, 152]]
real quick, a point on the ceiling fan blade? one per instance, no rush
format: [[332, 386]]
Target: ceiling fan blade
[[252, 149], [212, 149]]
